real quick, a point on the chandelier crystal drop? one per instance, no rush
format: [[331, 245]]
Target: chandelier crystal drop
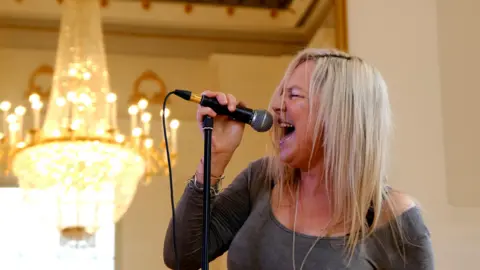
[[77, 165]]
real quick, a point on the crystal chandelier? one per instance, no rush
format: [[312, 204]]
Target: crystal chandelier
[[77, 164]]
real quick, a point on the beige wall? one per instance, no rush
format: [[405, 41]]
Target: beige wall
[[459, 41], [421, 47]]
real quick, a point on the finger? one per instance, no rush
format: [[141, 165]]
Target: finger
[[202, 111], [209, 93], [232, 102], [221, 97]]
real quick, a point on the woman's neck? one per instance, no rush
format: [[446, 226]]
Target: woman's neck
[[312, 182]]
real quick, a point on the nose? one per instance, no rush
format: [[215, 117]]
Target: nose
[[278, 106]]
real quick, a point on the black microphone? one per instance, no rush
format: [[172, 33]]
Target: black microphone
[[259, 120]]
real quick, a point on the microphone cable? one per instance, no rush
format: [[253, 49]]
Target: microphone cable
[[172, 200]]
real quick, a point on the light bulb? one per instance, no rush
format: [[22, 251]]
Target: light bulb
[[11, 118], [167, 112], [111, 97], [34, 98], [133, 110], [5, 106], [119, 138], [142, 104], [20, 110], [60, 101], [146, 117], [174, 124]]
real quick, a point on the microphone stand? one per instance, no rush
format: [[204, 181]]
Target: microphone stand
[[207, 160]]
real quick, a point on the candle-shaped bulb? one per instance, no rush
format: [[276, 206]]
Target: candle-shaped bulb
[[34, 98], [173, 134], [5, 106], [56, 133], [21, 145], [112, 110], [11, 118], [36, 107], [12, 129], [111, 97], [72, 71], [142, 104], [174, 124], [167, 113], [148, 143], [119, 138], [100, 132], [146, 117], [60, 101], [71, 96], [86, 75], [136, 132], [85, 99], [75, 124], [20, 110], [133, 110]]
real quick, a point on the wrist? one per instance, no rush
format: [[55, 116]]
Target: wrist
[[198, 186], [217, 168], [219, 163]]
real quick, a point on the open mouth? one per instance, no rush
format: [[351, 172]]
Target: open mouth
[[288, 129]]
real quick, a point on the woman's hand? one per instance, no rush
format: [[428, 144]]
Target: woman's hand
[[227, 133]]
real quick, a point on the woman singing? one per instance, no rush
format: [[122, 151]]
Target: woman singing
[[320, 200]]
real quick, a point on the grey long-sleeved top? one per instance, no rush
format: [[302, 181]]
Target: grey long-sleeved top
[[242, 223]]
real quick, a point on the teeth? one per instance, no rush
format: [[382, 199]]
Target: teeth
[[284, 125]]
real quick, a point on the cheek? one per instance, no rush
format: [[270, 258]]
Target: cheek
[[302, 125], [304, 133]]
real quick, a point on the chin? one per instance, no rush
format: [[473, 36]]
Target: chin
[[298, 159], [285, 157], [290, 159]]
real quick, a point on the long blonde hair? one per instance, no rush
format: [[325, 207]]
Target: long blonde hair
[[351, 120]]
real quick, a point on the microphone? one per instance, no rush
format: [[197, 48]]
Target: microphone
[[259, 120]]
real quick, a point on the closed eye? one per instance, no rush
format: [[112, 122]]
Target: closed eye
[[295, 92]]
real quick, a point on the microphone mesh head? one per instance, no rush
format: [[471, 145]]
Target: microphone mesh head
[[262, 121]]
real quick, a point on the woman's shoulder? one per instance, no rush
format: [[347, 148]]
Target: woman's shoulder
[[403, 238], [256, 173], [257, 169], [402, 211], [398, 204]]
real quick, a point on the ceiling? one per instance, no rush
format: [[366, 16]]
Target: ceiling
[[268, 4], [198, 27]]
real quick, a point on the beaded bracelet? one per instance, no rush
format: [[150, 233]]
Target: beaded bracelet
[[214, 189]]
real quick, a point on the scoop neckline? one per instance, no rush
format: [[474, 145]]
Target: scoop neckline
[[330, 238], [303, 235]]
